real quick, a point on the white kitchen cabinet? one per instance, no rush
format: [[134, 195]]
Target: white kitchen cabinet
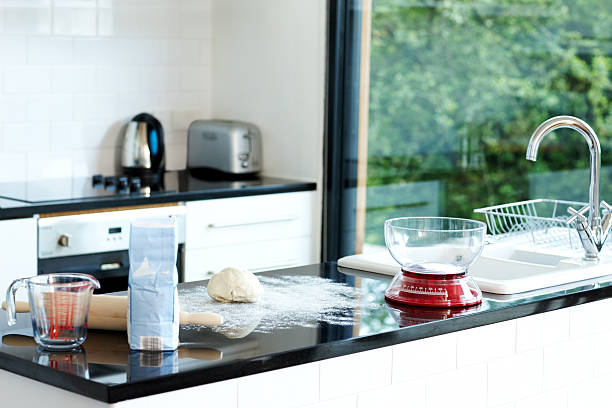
[[256, 232], [19, 257]]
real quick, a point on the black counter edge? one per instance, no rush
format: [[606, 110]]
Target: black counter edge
[[29, 210], [340, 348]]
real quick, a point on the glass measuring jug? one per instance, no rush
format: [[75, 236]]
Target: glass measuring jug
[[59, 306]]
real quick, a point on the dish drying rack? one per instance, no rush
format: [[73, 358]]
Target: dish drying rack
[[540, 222]]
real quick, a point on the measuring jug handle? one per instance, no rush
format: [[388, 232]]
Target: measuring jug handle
[[10, 300]]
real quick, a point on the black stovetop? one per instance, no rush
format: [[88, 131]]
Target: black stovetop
[[23, 199]]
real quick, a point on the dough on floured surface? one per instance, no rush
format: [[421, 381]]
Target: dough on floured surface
[[235, 285]]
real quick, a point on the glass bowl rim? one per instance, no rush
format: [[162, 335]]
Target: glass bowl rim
[[479, 225]]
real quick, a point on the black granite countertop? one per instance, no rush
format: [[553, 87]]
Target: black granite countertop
[[24, 199], [105, 370]]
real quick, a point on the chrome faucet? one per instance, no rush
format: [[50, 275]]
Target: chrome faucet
[[592, 231]]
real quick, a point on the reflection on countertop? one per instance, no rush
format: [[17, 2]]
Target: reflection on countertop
[[105, 368]]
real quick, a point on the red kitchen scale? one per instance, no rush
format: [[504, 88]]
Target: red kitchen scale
[[433, 290], [434, 253]]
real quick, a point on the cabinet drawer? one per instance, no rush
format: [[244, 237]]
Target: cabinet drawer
[[231, 221], [201, 264]]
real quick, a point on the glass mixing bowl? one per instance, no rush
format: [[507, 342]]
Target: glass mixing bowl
[[434, 245], [435, 253]]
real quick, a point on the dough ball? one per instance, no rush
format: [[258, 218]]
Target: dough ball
[[235, 285]]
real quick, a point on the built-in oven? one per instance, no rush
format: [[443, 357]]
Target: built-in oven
[[97, 243]]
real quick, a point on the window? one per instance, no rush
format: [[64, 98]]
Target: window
[[449, 93]]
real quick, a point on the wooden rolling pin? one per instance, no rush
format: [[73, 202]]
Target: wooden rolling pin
[[103, 349], [110, 313]]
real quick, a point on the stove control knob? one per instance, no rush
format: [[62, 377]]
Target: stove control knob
[[97, 181], [109, 183], [63, 241], [135, 185], [123, 184]]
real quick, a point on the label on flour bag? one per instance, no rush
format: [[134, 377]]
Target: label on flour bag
[[153, 312]]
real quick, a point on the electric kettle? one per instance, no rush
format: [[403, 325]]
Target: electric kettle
[[143, 149]]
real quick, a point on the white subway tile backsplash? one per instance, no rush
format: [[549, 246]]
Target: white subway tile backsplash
[[292, 387], [176, 156], [93, 51], [483, 343], [218, 395], [556, 398], [65, 136], [602, 354], [73, 72], [202, 5], [73, 79], [514, 377], [27, 79], [27, 20], [56, 107], [196, 78], [569, 362], [592, 393], [13, 108], [26, 137], [344, 402], [124, 79], [45, 165], [50, 50], [411, 393], [349, 374], [542, 329], [75, 21], [192, 24], [12, 166], [97, 161], [94, 106], [464, 387], [590, 318], [139, 21], [26, 3], [181, 119], [75, 3], [161, 78], [419, 358], [13, 49]]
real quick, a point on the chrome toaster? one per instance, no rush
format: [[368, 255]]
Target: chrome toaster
[[223, 147]]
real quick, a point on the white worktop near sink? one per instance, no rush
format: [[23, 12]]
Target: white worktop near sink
[[508, 267]]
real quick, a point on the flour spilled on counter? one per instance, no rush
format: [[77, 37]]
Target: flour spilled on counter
[[288, 301]]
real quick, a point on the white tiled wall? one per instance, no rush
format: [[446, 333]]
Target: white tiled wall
[[73, 71], [556, 359]]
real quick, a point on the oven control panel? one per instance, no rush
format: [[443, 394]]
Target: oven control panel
[[97, 232]]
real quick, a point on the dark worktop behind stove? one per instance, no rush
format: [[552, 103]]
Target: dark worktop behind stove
[[25, 199]]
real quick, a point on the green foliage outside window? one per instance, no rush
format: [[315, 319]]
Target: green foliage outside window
[[457, 87]]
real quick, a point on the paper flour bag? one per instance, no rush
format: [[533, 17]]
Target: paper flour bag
[[153, 312]]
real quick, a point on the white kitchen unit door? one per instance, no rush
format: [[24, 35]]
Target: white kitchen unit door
[[259, 233], [19, 253]]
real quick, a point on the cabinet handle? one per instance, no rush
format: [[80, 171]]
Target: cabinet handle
[[110, 266], [253, 222]]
